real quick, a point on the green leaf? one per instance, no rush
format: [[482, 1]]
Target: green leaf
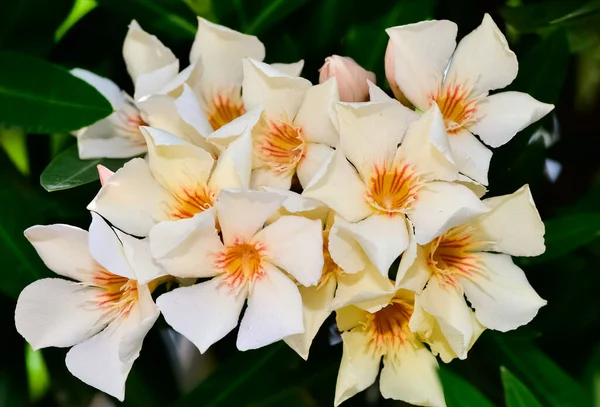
[[67, 170], [271, 13], [567, 233], [531, 17], [44, 98], [544, 377], [37, 373], [516, 394], [459, 392]]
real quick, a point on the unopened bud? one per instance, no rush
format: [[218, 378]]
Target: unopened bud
[[350, 76]]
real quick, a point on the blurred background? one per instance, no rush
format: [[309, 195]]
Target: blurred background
[[555, 361]]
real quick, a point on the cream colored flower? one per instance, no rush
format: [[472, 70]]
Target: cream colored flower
[[374, 185], [473, 260], [428, 67], [409, 370], [248, 262], [104, 314], [293, 124]]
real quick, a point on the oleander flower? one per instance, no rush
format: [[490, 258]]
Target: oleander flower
[[473, 260], [409, 370], [293, 125], [251, 261], [428, 67], [351, 78], [104, 314], [374, 185], [177, 181]]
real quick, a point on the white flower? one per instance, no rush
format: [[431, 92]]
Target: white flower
[[409, 370], [104, 315], [428, 67], [177, 181], [294, 132], [374, 185], [249, 263], [473, 260]]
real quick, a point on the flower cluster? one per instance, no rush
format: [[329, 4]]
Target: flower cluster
[[282, 197]]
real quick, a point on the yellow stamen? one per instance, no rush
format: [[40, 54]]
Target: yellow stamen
[[278, 145], [392, 190], [387, 328], [119, 296], [188, 202], [457, 106], [241, 263], [224, 108]]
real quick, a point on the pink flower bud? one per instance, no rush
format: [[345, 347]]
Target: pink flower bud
[[104, 174], [391, 77], [351, 78]]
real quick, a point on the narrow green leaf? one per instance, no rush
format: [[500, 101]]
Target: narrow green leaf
[[14, 143], [38, 377], [459, 392], [43, 98], [80, 9], [67, 170], [275, 11], [516, 394]]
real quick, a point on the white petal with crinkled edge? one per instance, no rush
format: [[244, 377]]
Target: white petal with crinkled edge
[[426, 146], [421, 54], [367, 289], [156, 82], [107, 249], [242, 213], [483, 61], [499, 292], [358, 369], [413, 270], [315, 310], [56, 312], [376, 94], [103, 140], [359, 122], [412, 377], [229, 132], [131, 199], [104, 361], [190, 112], [139, 255], [291, 69], [317, 114], [447, 305], [343, 248], [266, 177], [105, 86], [204, 313], [278, 94], [513, 226], [274, 311], [338, 185], [144, 52], [472, 158], [478, 189], [187, 247], [234, 165], [219, 51], [440, 206], [382, 237], [174, 162], [315, 155], [64, 249], [295, 245], [501, 116]]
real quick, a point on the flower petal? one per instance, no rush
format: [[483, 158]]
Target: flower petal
[[274, 311], [295, 245], [106, 139], [315, 310], [501, 116], [412, 377], [204, 313], [190, 112], [64, 249], [472, 158], [131, 199], [56, 312], [376, 94], [315, 155], [421, 54], [345, 251], [338, 185], [278, 94], [317, 114], [351, 316], [234, 165], [291, 69], [502, 297], [105, 86], [140, 258], [441, 206], [107, 249], [160, 81], [358, 369], [413, 270], [367, 290], [513, 226], [483, 61], [242, 213]]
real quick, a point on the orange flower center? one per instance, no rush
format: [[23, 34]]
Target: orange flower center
[[279, 145], [242, 263], [457, 107], [392, 190], [387, 328], [120, 293], [453, 255], [224, 108], [188, 202]]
